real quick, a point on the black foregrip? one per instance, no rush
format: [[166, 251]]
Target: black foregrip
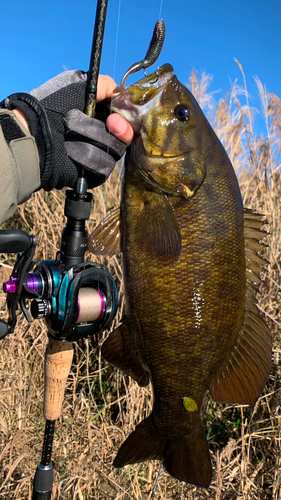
[[74, 235]]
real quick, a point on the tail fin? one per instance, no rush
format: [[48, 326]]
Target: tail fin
[[188, 459], [185, 457]]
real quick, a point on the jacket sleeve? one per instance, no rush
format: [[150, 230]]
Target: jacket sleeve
[[19, 164]]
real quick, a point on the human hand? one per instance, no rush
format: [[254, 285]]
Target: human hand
[[65, 137], [115, 123]]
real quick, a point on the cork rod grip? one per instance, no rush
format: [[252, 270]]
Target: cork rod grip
[[58, 360]]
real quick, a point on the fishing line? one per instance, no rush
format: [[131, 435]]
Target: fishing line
[[160, 10], [156, 482], [116, 41]]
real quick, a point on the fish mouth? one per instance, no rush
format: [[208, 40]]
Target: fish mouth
[[136, 100]]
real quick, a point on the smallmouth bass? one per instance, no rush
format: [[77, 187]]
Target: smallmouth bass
[[191, 267]]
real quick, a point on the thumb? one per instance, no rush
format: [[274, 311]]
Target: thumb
[[119, 127]]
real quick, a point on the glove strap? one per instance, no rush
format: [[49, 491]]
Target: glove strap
[[39, 128]]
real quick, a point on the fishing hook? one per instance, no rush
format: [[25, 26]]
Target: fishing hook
[[152, 53], [157, 76]]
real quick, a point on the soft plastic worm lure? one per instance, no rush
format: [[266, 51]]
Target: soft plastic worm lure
[[152, 54]]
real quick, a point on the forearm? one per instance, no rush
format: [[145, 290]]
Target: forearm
[[19, 162]]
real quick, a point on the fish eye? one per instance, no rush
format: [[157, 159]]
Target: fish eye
[[182, 112]]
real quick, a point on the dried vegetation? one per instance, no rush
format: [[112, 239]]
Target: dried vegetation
[[102, 406]]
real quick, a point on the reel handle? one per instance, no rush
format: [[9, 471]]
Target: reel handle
[[4, 329], [14, 241]]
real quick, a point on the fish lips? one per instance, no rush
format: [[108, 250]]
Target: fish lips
[[134, 102]]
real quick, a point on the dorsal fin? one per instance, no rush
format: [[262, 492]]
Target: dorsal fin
[[255, 263], [243, 378]]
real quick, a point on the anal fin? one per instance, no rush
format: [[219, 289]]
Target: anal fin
[[119, 351]]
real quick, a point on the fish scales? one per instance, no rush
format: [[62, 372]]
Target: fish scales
[[199, 300], [192, 324]]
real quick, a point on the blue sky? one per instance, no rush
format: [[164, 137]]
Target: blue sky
[[38, 40]]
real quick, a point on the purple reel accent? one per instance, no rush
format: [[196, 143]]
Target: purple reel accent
[[11, 286], [32, 283], [102, 308]]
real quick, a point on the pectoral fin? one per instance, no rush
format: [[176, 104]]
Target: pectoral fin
[[106, 239], [119, 351], [243, 378], [158, 229]]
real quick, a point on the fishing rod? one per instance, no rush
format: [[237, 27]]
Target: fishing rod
[[77, 299], [94, 281]]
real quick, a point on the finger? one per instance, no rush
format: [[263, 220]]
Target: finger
[[21, 117], [119, 127], [105, 87]]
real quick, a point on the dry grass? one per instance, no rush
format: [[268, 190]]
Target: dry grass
[[102, 406]]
